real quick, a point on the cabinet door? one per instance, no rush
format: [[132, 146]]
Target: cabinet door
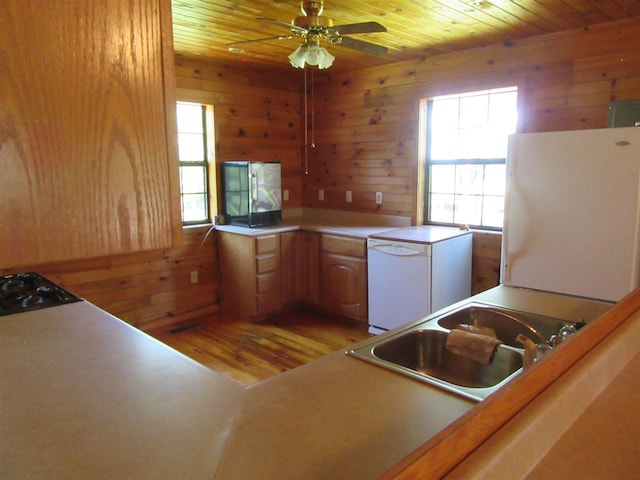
[[238, 283], [87, 143], [344, 285], [289, 278], [308, 274]]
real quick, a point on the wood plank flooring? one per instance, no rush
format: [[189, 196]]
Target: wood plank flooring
[[251, 352]]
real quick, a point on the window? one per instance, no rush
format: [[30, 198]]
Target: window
[[466, 156], [195, 138]]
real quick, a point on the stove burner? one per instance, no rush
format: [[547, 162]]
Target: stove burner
[[30, 291]]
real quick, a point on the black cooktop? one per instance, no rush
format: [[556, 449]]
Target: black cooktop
[[22, 292]]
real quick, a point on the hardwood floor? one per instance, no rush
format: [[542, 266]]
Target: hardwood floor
[[251, 352]]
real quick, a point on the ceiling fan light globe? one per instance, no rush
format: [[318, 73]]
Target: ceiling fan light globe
[[327, 59], [319, 56], [297, 58], [314, 54]]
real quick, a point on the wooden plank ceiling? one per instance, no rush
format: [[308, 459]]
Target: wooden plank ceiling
[[415, 28]]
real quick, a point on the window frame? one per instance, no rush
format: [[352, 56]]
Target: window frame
[[426, 121], [208, 163]]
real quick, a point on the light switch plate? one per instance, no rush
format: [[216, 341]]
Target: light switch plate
[[320, 194], [348, 196], [378, 198]]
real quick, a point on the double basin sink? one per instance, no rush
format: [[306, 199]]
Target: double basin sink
[[419, 350]]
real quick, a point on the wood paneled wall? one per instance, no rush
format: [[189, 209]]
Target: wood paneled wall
[[366, 121], [147, 288], [485, 261], [365, 129], [258, 115]]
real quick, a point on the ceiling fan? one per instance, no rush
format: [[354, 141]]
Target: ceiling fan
[[312, 27]]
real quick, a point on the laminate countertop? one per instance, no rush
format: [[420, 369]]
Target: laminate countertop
[[336, 222], [585, 425], [336, 228], [84, 395]]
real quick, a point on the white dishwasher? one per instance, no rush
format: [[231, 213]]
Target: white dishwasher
[[415, 271]]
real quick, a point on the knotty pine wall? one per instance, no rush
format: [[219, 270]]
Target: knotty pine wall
[[366, 122], [147, 288], [258, 115], [366, 136]]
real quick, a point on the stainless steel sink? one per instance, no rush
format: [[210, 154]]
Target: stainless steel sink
[[424, 351], [419, 350], [506, 323]]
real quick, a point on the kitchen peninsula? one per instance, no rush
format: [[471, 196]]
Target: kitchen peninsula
[[92, 397]]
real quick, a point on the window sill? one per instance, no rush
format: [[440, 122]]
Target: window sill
[[198, 225]]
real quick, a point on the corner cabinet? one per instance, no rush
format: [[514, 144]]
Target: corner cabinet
[[258, 273], [264, 274], [88, 147], [344, 276], [308, 269]]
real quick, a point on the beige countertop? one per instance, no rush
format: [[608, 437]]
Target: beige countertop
[[335, 418], [585, 425], [422, 234], [565, 307], [360, 231], [84, 395], [325, 221], [604, 441]]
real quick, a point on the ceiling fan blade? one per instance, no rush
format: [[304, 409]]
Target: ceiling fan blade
[[365, 27], [279, 37], [359, 45], [280, 23]]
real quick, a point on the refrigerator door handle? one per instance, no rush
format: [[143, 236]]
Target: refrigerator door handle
[[506, 272], [506, 260]]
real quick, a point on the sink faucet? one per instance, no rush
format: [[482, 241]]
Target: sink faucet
[[519, 320], [534, 351]]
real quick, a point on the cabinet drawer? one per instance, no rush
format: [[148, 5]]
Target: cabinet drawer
[[350, 246], [266, 244], [267, 283], [267, 263]]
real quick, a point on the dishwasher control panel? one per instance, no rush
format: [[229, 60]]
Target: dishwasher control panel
[[399, 249]]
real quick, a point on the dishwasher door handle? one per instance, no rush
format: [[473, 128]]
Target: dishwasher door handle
[[397, 251]]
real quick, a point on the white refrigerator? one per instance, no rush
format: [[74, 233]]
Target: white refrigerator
[[572, 212]]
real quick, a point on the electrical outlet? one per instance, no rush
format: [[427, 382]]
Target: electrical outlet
[[285, 195], [320, 194], [378, 198], [348, 196], [194, 276]]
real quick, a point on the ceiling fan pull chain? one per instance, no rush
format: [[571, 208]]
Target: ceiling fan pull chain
[[306, 130], [313, 112]]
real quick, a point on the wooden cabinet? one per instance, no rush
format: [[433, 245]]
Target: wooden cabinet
[[309, 267], [344, 276], [265, 274], [250, 274], [290, 277], [267, 281], [87, 130]]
